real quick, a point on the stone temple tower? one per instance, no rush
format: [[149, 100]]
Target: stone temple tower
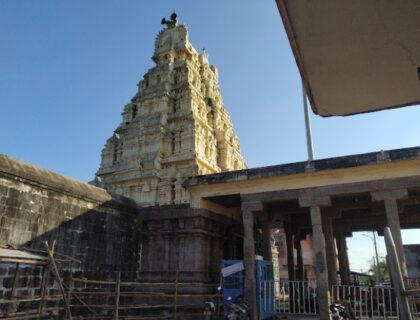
[[176, 126]]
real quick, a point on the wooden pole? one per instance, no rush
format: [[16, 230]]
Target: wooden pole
[[43, 289], [57, 275], [77, 297], [12, 291], [176, 294], [396, 275], [70, 288], [117, 296]]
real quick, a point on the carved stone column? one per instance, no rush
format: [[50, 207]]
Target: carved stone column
[[343, 258], [330, 250], [299, 258], [266, 240], [290, 253], [248, 210], [390, 198], [323, 293]]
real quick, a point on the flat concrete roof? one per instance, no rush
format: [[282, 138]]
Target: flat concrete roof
[[351, 161], [355, 56]]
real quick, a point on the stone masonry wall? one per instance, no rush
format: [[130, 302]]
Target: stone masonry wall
[[183, 240], [87, 222]]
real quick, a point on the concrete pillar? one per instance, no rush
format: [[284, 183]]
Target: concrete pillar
[[343, 261], [321, 267], [393, 220], [299, 258], [266, 240], [250, 291], [330, 251]]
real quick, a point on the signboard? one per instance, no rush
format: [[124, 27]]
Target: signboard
[[234, 268]]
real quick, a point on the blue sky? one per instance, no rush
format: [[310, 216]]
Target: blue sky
[[68, 67]]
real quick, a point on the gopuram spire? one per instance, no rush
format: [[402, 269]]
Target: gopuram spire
[[176, 126]]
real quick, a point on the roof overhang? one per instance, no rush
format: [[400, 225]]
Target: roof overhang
[[355, 56]]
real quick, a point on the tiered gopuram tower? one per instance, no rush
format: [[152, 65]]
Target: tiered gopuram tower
[[176, 126]]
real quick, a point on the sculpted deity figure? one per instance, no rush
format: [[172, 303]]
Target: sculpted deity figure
[[172, 22]]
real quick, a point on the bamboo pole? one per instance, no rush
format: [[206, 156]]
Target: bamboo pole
[[76, 295], [57, 275], [12, 291], [43, 289], [70, 288]]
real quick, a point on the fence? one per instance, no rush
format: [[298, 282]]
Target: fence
[[412, 286], [368, 302], [28, 288], [294, 297], [299, 297], [95, 299]]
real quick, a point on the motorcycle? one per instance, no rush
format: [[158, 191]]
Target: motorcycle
[[209, 310], [342, 311], [237, 309]]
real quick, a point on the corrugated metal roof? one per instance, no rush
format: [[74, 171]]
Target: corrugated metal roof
[[6, 253]]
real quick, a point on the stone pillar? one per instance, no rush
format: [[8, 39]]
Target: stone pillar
[[330, 251], [290, 253], [250, 292], [266, 240], [343, 261], [299, 258], [321, 268], [393, 221]]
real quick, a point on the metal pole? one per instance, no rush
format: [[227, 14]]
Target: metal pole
[[378, 268], [307, 125]]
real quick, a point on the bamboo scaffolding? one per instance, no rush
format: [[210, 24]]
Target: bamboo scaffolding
[[12, 291], [58, 278], [43, 290], [33, 314]]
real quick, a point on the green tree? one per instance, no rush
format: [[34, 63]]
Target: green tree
[[373, 270]]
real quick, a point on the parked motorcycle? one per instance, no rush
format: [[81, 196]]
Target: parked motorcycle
[[237, 309], [342, 311], [209, 310]]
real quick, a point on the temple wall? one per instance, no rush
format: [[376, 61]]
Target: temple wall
[[181, 239], [87, 223]]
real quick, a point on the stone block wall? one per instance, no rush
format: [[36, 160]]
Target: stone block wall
[[88, 224], [182, 239]]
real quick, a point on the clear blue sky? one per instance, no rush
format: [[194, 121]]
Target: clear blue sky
[[68, 67]]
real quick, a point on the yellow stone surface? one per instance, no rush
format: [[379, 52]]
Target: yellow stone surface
[[175, 127]]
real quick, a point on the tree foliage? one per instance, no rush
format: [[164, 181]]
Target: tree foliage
[[384, 272]]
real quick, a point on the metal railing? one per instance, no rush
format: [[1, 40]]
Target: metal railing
[[413, 299], [299, 297], [367, 302], [287, 296]]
